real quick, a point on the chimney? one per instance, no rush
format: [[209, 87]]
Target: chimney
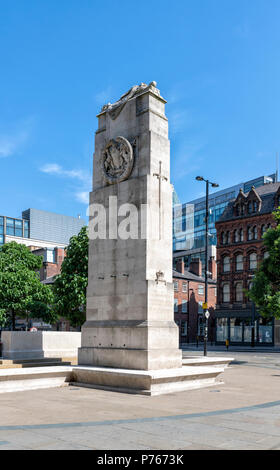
[[180, 266], [212, 266], [196, 267]]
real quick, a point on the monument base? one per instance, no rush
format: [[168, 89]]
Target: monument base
[[152, 382]]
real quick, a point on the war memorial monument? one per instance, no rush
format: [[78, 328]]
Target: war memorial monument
[[130, 339]]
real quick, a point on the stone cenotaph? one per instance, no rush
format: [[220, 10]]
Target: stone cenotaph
[[130, 340]]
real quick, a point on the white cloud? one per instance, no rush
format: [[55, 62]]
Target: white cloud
[[11, 143], [55, 169], [83, 196], [84, 178]]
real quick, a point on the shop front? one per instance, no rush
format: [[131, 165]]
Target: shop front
[[244, 328]]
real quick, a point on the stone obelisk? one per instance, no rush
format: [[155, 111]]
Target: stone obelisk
[[130, 320]]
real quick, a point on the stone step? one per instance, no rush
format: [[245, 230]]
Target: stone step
[[143, 382], [33, 364], [206, 361], [16, 380], [28, 362], [150, 383]]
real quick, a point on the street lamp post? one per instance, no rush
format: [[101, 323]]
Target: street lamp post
[[205, 306]]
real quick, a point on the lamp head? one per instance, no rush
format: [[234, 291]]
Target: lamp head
[[215, 185], [199, 178]]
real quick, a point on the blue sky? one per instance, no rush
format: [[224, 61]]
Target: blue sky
[[216, 62]]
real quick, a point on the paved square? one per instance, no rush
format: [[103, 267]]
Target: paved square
[[243, 413]]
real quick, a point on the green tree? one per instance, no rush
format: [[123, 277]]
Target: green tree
[[265, 291], [70, 285], [21, 292]]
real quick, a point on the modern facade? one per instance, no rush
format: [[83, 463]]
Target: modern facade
[[240, 251], [189, 220], [39, 229]]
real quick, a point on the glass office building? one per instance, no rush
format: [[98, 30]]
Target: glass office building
[[189, 220], [39, 228], [13, 227]]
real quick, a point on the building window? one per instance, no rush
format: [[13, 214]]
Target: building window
[[239, 292], [226, 264], [241, 235], [184, 306], [263, 230], [265, 330], [226, 293], [236, 236], [255, 233], [250, 233], [221, 329], [253, 261], [239, 263], [183, 328], [18, 228], [184, 287], [200, 289], [175, 305], [10, 226], [249, 207], [200, 307], [175, 284], [265, 255], [26, 228]]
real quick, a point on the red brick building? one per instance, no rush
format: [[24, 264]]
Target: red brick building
[[240, 251], [189, 295], [52, 261]]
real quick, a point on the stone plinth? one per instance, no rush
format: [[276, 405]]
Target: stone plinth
[[40, 344]]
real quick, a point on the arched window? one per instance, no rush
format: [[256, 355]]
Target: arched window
[[227, 237], [239, 292], [237, 210], [223, 238], [263, 230], [255, 233], [253, 261], [249, 207], [265, 255], [239, 263], [236, 236], [226, 264], [250, 233], [255, 206], [241, 235], [226, 293], [242, 209]]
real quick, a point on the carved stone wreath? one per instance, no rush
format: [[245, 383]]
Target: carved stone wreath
[[117, 160]]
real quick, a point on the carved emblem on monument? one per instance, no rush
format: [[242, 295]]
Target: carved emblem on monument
[[117, 160]]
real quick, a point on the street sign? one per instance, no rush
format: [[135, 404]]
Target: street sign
[[207, 314], [205, 305]]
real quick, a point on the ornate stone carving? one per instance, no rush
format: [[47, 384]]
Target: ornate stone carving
[[117, 160], [114, 109]]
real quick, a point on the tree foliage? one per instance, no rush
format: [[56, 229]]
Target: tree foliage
[[265, 291], [70, 285], [21, 292]]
